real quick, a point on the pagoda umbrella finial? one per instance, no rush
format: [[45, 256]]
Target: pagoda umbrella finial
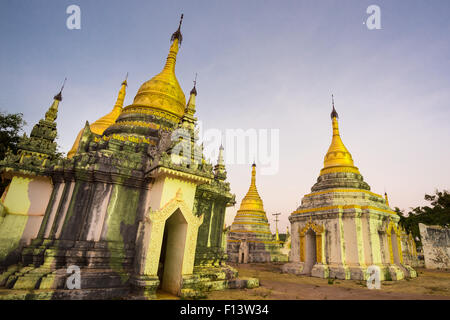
[[59, 95], [194, 89], [181, 21], [334, 113], [177, 34], [386, 198]]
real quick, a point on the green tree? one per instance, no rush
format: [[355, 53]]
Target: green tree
[[11, 126], [437, 213]]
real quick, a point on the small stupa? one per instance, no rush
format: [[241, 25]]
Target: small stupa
[[250, 238]]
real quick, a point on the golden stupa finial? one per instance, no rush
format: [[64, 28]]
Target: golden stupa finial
[[338, 158], [190, 107], [386, 198], [252, 201], [121, 95], [177, 34], [334, 113], [100, 125], [59, 95], [125, 82], [176, 39], [194, 89], [253, 181], [52, 112]]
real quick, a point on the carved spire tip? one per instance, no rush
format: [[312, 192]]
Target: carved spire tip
[[334, 113], [59, 95], [194, 89], [177, 34]]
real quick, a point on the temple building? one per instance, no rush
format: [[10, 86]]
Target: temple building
[[249, 238], [134, 205], [25, 199], [341, 227]]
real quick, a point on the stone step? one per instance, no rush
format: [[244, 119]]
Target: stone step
[[82, 294]]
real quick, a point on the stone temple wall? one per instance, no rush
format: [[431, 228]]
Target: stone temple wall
[[436, 246]]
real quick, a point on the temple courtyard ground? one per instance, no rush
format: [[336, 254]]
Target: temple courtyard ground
[[275, 285]]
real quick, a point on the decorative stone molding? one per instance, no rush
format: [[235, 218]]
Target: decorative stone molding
[[154, 224], [319, 231], [392, 226]]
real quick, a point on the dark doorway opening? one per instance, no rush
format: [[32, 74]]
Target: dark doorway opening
[[310, 248], [172, 253]]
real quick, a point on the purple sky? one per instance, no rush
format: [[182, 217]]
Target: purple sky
[[262, 65]]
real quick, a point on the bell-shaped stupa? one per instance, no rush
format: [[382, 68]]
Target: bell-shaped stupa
[[342, 228], [250, 238]]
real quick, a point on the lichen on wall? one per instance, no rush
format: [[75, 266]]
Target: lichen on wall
[[11, 231], [15, 219], [121, 217]]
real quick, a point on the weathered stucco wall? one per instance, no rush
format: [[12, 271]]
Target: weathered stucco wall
[[436, 246], [23, 209]]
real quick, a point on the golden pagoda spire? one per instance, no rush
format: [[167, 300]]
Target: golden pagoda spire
[[338, 158], [52, 112], [253, 180], [99, 126], [386, 198], [163, 92], [190, 108], [122, 93], [176, 40], [252, 201]]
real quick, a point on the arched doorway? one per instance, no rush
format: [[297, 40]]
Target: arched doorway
[[311, 247], [172, 253], [175, 250], [310, 251], [243, 252]]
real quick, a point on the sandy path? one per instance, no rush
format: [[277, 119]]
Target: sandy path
[[275, 285]]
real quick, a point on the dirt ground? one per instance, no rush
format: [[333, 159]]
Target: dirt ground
[[275, 285]]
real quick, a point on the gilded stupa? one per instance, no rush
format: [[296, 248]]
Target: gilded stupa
[[160, 103], [250, 238], [135, 205], [341, 227], [100, 125]]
